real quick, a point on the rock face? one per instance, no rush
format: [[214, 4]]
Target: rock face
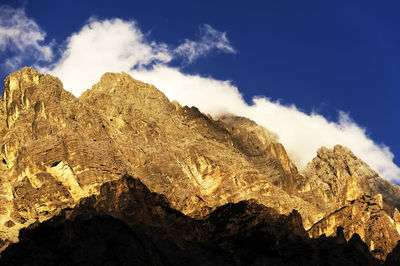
[[345, 177], [196, 162], [54, 151], [359, 200], [363, 216], [57, 150], [143, 229]]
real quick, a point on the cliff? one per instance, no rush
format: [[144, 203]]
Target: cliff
[[59, 151]]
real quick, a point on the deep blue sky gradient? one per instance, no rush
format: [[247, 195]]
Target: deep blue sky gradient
[[322, 56]]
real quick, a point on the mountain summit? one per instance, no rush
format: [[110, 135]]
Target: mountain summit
[[70, 161]]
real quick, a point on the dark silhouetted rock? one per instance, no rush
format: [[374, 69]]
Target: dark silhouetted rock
[[60, 156], [142, 229]]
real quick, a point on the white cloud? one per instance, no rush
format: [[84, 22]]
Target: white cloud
[[22, 37], [210, 39], [193, 90], [117, 45], [302, 134], [104, 46]]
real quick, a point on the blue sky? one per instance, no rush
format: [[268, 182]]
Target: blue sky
[[325, 58]]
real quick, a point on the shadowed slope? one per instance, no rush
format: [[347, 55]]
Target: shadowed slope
[[57, 149], [142, 229]]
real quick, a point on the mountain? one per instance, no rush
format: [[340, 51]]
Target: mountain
[[126, 224], [65, 163]]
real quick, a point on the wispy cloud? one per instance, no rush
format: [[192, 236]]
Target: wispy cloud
[[210, 39], [22, 37], [117, 45]]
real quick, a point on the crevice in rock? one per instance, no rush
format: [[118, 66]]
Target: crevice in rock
[[55, 164]]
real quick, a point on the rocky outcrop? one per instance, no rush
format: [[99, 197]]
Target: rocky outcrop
[[57, 149], [196, 162], [264, 152], [344, 177], [358, 200], [143, 229], [363, 216], [54, 151]]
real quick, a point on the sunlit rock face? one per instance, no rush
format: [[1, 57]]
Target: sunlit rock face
[[345, 177], [57, 149], [127, 224], [54, 151], [198, 163], [357, 199], [366, 217]]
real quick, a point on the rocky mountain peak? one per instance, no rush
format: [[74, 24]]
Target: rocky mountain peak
[[115, 90], [57, 150], [347, 176], [336, 151], [366, 217], [21, 90], [356, 197]]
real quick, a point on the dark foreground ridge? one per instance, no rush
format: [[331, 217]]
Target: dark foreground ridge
[[212, 191], [126, 224]]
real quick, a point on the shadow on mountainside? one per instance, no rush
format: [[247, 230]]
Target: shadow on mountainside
[[126, 224]]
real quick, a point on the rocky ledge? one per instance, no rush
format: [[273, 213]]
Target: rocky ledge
[[127, 224], [222, 184]]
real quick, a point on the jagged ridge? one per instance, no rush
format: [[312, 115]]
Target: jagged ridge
[[57, 149], [143, 229]]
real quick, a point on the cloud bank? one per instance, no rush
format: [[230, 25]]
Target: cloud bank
[[104, 46], [301, 134], [117, 45]]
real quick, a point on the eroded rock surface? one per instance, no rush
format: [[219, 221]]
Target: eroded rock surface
[[196, 162], [344, 177], [363, 216], [57, 149], [358, 199], [143, 229], [54, 151]]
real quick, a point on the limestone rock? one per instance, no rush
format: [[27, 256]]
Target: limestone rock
[[54, 151], [363, 216], [196, 162], [265, 153], [344, 177], [143, 229], [57, 149]]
